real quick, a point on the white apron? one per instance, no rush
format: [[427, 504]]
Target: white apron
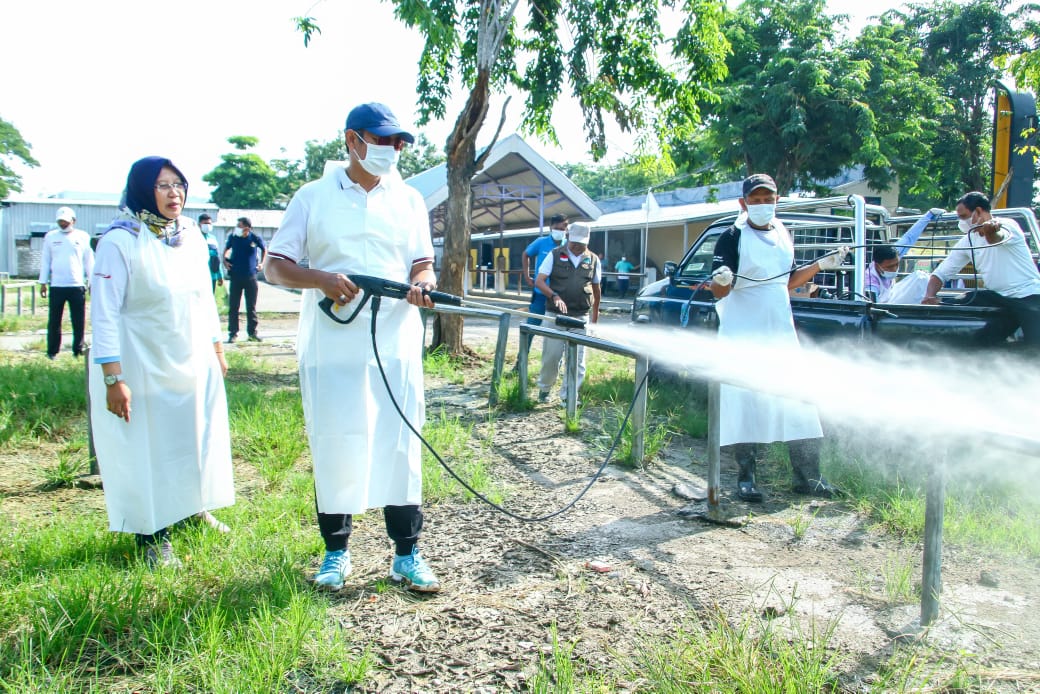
[[364, 455], [174, 457], [761, 311]]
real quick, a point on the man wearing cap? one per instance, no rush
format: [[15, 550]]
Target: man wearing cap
[[754, 308], [66, 265], [538, 249], [206, 225], [574, 274], [365, 220]]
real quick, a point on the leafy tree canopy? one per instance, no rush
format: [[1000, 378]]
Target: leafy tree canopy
[[13, 148], [244, 181]]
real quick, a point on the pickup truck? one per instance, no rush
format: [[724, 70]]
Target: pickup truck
[[838, 306]]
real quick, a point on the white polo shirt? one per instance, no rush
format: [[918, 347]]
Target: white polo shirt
[[67, 260], [1008, 268]]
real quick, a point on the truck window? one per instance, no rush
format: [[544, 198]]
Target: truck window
[[698, 267]]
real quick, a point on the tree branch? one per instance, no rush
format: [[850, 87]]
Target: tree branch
[[479, 162]]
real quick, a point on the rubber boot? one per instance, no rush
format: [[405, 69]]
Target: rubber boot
[[805, 469], [744, 453]]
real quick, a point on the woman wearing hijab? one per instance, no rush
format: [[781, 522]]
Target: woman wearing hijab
[[158, 408]]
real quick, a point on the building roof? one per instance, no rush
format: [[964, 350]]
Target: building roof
[[516, 189]]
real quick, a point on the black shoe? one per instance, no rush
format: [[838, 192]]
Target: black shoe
[[255, 338], [821, 488], [230, 339], [746, 489]]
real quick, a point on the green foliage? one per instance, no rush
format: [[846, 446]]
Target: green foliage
[[244, 181], [12, 147], [962, 44], [419, 157], [792, 101], [40, 398]]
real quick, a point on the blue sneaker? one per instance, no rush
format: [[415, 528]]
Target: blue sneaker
[[334, 568], [414, 572]]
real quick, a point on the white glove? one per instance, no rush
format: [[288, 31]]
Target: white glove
[[936, 212], [722, 277], [834, 260]]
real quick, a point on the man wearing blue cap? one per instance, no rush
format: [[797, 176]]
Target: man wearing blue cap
[[363, 220]]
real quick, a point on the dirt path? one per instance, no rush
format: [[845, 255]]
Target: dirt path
[[626, 564]]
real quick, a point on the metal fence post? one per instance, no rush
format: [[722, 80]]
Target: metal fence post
[[91, 453], [18, 310], [3, 299], [931, 573], [639, 411], [572, 379], [500, 357], [714, 449], [521, 360]]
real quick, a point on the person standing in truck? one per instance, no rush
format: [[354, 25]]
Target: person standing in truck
[[999, 252], [760, 246]]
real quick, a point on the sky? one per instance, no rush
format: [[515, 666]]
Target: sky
[[93, 86]]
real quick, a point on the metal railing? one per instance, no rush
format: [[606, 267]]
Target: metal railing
[[573, 339], [5, 291], [500, 344]]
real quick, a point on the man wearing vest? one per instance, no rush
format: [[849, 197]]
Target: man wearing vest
[[574, 274]]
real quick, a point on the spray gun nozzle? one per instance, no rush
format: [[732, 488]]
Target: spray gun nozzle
[[569, 322]]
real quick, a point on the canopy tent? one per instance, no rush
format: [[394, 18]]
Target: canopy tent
[[516, 189]]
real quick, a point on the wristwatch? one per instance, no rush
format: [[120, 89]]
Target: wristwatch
[[112, 379]]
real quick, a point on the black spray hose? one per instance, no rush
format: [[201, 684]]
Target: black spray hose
[[376, 298], [377, 286]]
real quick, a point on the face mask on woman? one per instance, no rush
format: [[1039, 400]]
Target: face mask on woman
[[379, 159], [761, 215]]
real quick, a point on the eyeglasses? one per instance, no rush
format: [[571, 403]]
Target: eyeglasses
[[167, 187], [395, 141]]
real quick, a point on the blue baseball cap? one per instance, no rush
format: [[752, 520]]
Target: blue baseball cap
[[377, 119]]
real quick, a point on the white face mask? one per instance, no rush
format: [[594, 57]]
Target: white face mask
[[964, 225], [379, 159], [761, 215], [557, 234], [889, 274], [206, 228]]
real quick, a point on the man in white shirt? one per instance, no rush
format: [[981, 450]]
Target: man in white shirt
[[362, 219], [1000, 254], [65, 266]]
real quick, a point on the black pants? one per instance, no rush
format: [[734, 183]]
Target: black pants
[[77, 300], [1018, 313], [403, 525], [240, 285]]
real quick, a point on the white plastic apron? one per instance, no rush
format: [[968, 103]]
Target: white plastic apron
[[174, 457], [761, 311], [364, 455]]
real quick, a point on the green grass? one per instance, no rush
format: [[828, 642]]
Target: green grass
[[439, 364], [40, 399], [979, 511], [454, 440], [12, 323]]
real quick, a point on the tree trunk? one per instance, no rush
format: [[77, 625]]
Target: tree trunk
[[461, 166]]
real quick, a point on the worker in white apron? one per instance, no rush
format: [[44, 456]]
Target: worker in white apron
[[158, 408], [365, 220], [759, 247]]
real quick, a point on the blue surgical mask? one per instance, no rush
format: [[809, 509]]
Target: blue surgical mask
[[889, 274]]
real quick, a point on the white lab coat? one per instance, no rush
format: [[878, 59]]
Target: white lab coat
[[364, 455], [761, 311], [173, 459]]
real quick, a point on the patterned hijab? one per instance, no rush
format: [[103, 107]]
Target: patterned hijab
[[139, 198]]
